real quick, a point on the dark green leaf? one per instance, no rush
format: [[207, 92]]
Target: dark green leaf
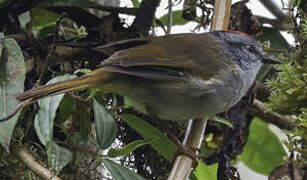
[[120, 172], [135, 3], [3, 1], [44, 118], [41, 18], [106, 129], [160, 142], [263, 150], [85, 122], [177, 18], [12, 77], [129, 148], [274, 36], [58, 157], [67, 108], [204, 172]]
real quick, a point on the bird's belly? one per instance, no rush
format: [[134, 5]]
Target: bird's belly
[[176, 108], [183, 100]]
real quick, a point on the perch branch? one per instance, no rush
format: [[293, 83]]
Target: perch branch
[[193, 138], [258, 109], [37, 167]]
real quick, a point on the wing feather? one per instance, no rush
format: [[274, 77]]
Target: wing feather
[[156, 60]]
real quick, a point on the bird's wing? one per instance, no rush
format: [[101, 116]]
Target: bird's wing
[[150, 60], [168, 57]]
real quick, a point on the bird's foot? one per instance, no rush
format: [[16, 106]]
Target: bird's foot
[[184, 151]]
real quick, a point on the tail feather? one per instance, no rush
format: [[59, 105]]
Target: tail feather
[[83, 82]]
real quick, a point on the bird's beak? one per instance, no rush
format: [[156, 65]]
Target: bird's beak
[[269, 60]]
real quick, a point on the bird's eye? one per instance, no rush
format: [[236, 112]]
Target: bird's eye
[[250, 48]]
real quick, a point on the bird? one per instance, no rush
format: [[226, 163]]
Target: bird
[[174, 77]]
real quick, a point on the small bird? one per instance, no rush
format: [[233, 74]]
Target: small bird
[[175, 77]]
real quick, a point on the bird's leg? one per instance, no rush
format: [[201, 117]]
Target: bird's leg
[[183, 150]]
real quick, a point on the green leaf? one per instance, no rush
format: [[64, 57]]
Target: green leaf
[[41, 18], [106, 129], [204, 172], [161, 143], [3, 1], [24, 18], [85, 121], [58, 157], [273, 35], [129, 148], [177, 18], [67, 108], [120, 172], [135, 3], [12, 77], [44, 118], [223, 121], [263, 150]]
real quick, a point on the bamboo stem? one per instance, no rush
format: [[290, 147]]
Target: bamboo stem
[[193, 138], [195, 131]]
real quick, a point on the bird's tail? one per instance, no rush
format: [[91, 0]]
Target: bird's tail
[[93, 79]]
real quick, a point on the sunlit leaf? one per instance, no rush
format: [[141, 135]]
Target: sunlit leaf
[[41, 18], [129, 148], [120, 172], [263, 150], [177, 18], [205, 172]]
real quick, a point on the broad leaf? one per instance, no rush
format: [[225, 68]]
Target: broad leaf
[[161, 143], [274, 36], [120, 172], [106, 129], [129, 148], [204, 172], [58, 157], [44, 118], [177, 18], [67, 108], [263, 150], [12, 77], [41, 18]]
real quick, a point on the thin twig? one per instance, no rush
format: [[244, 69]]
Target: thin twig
[[170, 17], [37, 167], [258, 109], [22, 105], [274, 9], [122, 10]]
